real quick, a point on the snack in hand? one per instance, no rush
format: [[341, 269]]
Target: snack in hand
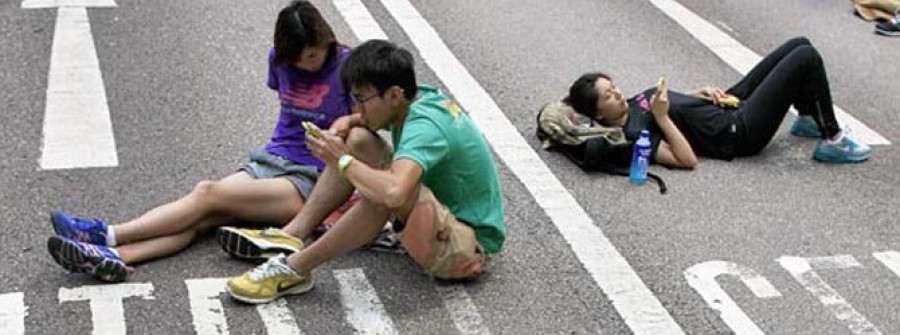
[[312, 129], [662, 84]]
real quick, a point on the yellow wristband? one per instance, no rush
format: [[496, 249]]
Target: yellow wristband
[[343, 163]]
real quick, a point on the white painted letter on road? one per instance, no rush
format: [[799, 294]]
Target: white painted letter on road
[[12, 313], [107, 312], [702, 277], [802, 270]]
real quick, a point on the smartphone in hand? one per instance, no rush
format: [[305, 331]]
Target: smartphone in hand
[[312, 129]]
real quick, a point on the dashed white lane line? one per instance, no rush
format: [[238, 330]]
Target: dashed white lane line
[[365, 312], [743, 59], [639, 308], [77, 131], [464, 313]]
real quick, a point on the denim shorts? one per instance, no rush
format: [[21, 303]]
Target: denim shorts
[[264, 165]]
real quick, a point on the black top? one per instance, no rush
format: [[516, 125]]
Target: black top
[[708, 128]]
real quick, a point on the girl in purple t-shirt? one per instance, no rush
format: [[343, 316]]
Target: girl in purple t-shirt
[[304, 68]]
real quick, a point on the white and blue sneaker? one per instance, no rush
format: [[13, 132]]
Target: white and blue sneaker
[[91, 231], [79, 257], [805, 126], [846, 150]]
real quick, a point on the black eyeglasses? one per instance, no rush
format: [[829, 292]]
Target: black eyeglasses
[[360, 101]]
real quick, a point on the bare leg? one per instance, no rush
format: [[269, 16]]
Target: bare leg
[[162, 246], [354, 229], [238, 195], [331, 189]]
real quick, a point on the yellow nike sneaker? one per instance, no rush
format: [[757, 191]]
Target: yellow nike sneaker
[[269, 281], [257, 245]]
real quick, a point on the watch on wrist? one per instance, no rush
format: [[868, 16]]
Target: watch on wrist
[[343, 162]]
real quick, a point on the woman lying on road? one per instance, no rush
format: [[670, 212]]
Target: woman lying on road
[[304, 68], [711, 123]]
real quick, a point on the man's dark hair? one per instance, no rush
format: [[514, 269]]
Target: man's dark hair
[[300, 25], [583, 94], [380, 64]]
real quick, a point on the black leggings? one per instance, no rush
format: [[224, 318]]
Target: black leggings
[[794, 75]]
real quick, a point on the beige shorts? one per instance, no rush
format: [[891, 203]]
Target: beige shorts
[[445, 247]]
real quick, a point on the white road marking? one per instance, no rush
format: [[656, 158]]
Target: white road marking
[[278, 318], [365, 313], [206, 308], [702, 277], [802, 270], [67, 3], [890, 259], [743, 59], [77, 127], [464, 313], [12, 314], [637, 305], [209, 314], [360, 20], [107, 313]]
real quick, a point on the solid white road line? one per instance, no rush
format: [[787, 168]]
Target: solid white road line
[[702, 277], [77, 128], [365, 313], [12, 313], [640, 309], [107, 312], [802, 270], [464, 313], [743, 59]]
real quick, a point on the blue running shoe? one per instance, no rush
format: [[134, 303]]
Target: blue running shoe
[[78, 229], [805, 126], [80, 257], [847, 150]]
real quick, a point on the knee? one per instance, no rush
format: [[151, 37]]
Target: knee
[[800, 40], [366, 145], [204, 191]]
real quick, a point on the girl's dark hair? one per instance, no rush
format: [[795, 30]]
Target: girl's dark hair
[[583, 94], [300, 25], [381, 64]]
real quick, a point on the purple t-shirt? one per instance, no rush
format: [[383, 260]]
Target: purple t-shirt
[[318, 97]]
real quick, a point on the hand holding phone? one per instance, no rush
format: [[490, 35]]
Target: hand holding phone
[[312, 129]]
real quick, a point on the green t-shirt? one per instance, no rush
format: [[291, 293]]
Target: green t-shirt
[[457, 163]]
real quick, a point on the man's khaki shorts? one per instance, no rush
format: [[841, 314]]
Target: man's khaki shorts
[[445, 247]]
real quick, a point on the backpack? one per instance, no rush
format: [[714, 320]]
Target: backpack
[[591, 146]]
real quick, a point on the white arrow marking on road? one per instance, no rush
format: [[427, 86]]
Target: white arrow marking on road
[[637, 305], [464, 313], [12, 314], [702, 277], [743, 59], [77, 127], [365, 313], [802, 270], [890, 259], [107, 313]]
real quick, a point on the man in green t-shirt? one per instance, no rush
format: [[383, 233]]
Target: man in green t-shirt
[[441, 186]]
